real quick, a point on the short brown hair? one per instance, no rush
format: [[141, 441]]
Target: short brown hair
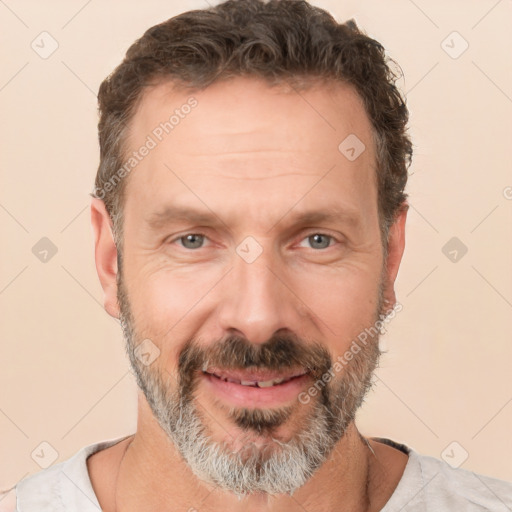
[[281, 41]]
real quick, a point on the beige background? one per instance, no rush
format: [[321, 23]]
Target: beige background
[[64, 377]]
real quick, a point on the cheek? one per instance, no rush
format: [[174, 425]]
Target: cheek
[[344, 301], [167, 296], [170, 305], [159, 304]]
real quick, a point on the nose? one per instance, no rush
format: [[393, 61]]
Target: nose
[[257, 301]]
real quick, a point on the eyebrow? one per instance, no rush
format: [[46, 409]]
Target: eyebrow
[[344, 216], [174, 214]]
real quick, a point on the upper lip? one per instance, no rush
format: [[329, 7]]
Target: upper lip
[[255, 375]]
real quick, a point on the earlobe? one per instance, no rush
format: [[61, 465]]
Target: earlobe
[[105, 252], [396, 246]]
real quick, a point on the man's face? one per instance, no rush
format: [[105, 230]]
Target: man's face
[[281, 272]]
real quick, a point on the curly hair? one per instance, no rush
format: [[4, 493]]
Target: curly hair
[[281, 41]]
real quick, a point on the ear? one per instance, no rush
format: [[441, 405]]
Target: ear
[[105, 252], [396, 246]]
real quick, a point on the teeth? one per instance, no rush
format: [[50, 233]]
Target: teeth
[[266, 383], [255, 383], [262, 383], [248, 383]]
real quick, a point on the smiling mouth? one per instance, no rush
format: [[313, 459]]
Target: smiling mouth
[[255, 379]]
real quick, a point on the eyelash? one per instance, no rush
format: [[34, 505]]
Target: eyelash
[[331, 237]]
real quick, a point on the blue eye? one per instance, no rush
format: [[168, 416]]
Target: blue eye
[[194, 239], [319, 240]]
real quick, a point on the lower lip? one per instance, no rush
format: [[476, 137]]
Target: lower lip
[[251, 396]]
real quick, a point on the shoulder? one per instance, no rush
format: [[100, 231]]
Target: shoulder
[[62, 487], [450, 487], [429, 483]]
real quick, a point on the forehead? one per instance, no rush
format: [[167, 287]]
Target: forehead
[[244, 136], [248, 111]]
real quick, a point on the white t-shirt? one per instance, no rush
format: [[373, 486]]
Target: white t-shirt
[[427, 485]]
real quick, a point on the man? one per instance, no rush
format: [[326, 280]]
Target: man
[[249, 218]]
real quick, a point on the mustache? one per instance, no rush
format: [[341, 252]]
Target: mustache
[[281, 352]]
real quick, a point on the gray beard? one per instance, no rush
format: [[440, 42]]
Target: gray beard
[[277, 467]]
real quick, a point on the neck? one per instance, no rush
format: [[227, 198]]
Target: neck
[[153, 476]]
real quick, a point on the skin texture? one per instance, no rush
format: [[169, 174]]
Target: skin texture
[[253, 157]]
